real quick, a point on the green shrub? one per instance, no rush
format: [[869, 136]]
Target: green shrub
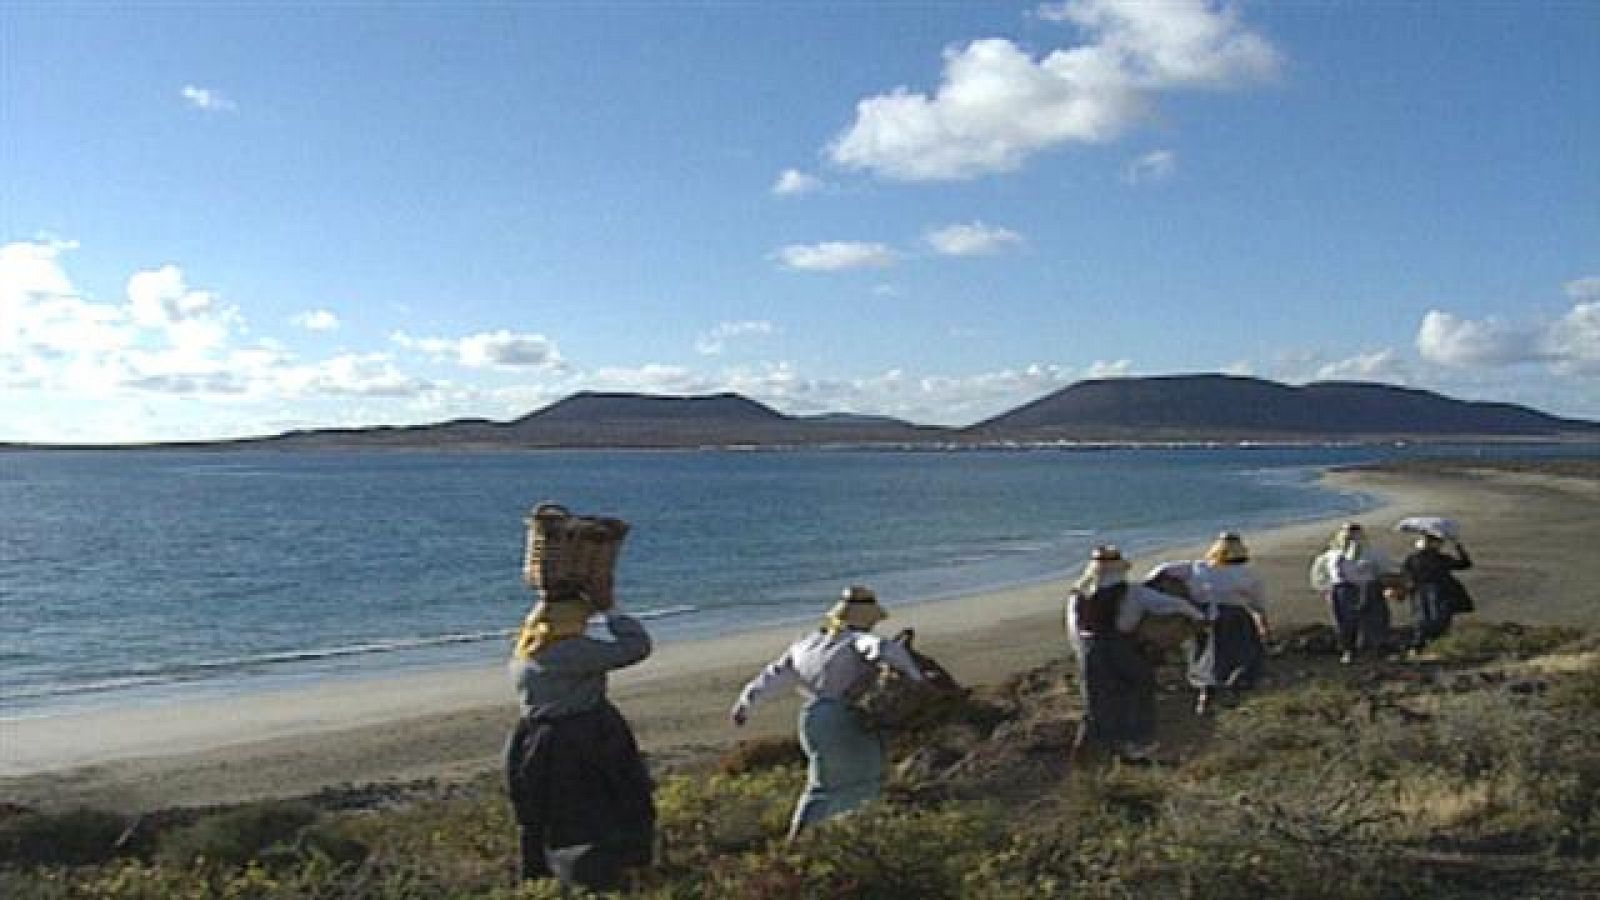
[[1477, 642], [238, 836], [1577, 694], [699, 818]]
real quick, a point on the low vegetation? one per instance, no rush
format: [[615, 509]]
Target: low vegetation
[[1476, 775]]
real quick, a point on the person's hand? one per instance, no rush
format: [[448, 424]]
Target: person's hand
[[739, 716]]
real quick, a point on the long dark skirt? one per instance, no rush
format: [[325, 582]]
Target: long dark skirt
[[1231, 654], [1119, 694], [579, 780], [1431, 612], [1360, 617]]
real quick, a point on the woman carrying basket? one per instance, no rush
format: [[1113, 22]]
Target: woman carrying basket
[[580, 790], [829, 667]]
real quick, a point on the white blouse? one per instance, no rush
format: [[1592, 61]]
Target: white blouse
[[827, 666], [1230, 585]]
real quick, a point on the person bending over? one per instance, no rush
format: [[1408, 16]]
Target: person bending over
[[829, 667]]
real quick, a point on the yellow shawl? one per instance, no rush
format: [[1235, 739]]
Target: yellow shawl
[[550, 623]]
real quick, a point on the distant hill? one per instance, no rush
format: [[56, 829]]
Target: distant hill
[[627, 420], [1226, 407]]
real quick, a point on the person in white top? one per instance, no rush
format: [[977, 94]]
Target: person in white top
[[1115, 679], [1234, 600], [1350, 574], [829, 667]]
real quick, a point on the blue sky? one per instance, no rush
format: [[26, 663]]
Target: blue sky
[[231, 219]]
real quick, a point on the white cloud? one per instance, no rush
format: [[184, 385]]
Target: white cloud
[[1120, 368], [352, 375], [1174, 42], [1569, 344], [1379, 365], [1449, 340], [793, 181], [975, 239], [833, 256], [1151, 168], [1573, 341], [208, 99], [316, 320], [44, 322], [166, 338], [1582, 289], [507, 350], [716, 340], [996, 105], [501, 349]]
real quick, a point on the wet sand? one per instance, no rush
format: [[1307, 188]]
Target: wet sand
[[1531, 531]]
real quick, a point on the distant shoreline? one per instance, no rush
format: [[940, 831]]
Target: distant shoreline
[[267, 445]]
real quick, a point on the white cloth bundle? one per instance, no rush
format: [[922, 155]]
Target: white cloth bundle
[[1438, 526]]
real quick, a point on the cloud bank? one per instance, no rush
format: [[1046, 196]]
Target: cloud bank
[[997, 105]]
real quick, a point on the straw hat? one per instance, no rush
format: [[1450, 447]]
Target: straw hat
[[1228, 549], [857, 608], [1106, 566]]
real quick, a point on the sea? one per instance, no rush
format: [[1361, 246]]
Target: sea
[[148, 577]]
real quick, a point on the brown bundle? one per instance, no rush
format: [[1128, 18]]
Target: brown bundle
[[893, 702], [565, 547]]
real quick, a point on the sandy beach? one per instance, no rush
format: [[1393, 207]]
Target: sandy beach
[[1529, 530]]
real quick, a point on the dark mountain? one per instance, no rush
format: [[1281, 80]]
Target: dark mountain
[[1225, 407], [590, 406], [631, 420]]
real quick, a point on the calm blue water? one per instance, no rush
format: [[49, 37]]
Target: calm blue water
[[143, 577]]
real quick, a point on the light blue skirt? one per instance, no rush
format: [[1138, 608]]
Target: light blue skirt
[[845, 768]]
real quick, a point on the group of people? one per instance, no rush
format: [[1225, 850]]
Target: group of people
[[1220, 594], [1226, 601], [582, 793], [1359, 579], [578, 786]]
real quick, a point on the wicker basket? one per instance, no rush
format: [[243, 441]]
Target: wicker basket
[[562, 547]]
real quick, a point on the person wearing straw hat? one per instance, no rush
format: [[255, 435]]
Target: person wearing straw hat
[[1434, 588], [1235, 603], [580, 790], [1350, 572], [1115, 679], [829, 667]]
